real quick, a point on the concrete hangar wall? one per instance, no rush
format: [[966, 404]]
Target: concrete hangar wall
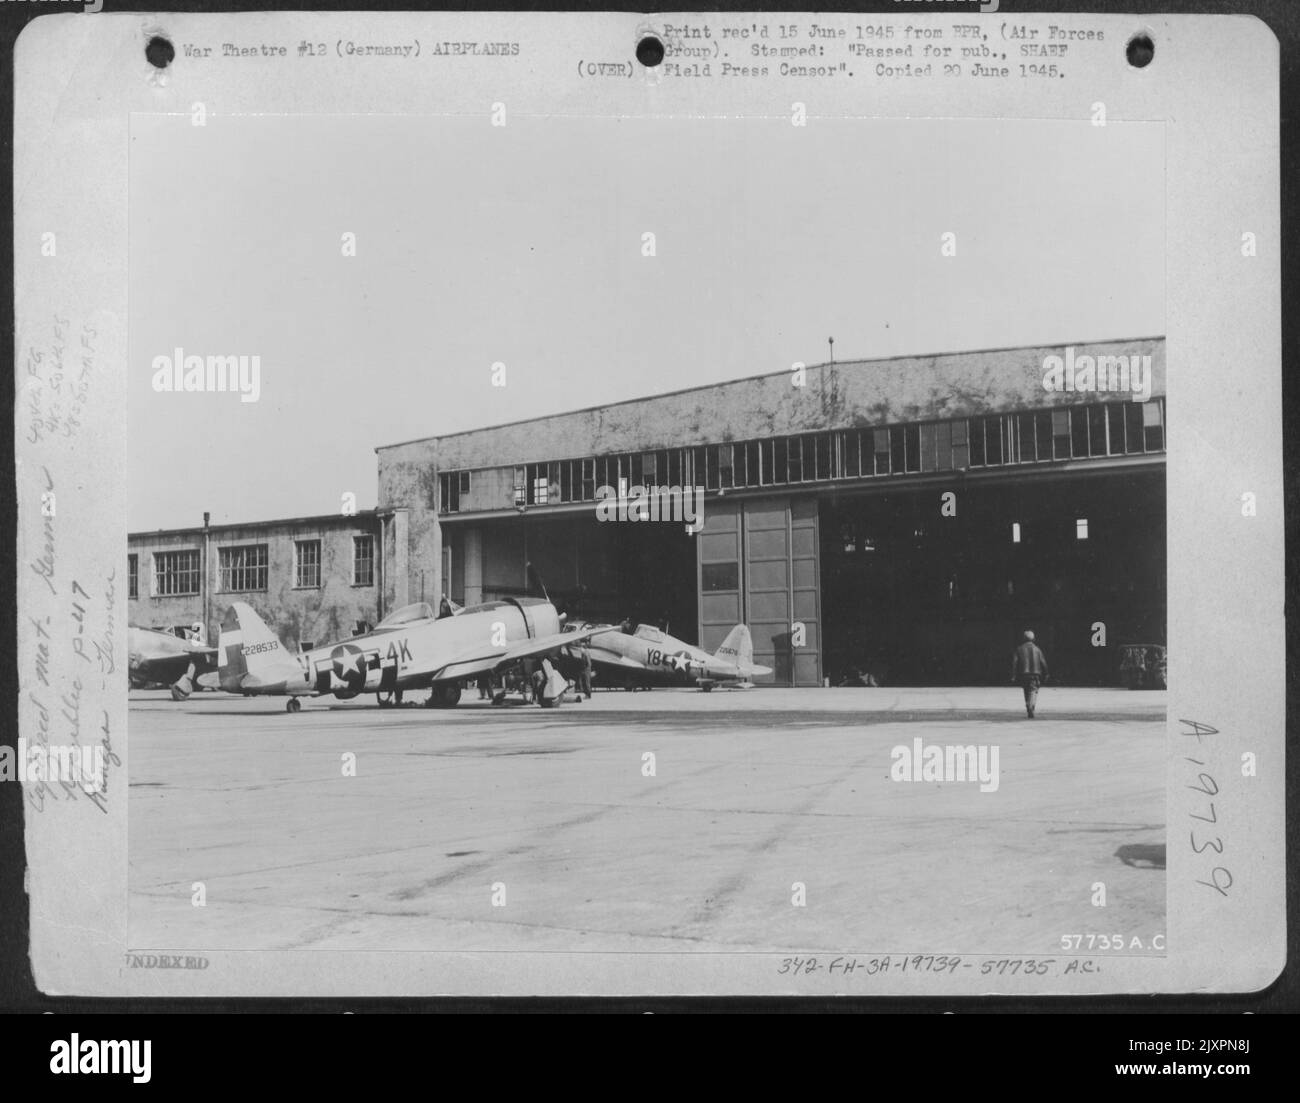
[[826, 526]]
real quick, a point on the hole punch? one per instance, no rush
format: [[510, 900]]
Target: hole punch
[[649, 51], [159, 51], [1140, 50]]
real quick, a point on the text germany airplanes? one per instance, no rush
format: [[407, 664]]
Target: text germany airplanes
[[411, 649], [651, 657]]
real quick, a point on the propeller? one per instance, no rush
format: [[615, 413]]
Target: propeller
[[535, 579]]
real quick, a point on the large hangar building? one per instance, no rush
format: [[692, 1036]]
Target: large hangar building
[[907, 517]]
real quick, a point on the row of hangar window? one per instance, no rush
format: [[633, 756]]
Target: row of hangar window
[[245, 568], [1038, 436]]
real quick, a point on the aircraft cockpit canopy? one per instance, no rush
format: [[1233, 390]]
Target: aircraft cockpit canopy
[[649, 632], [421, 610]]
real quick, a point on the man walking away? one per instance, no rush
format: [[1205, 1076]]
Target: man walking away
[[1029, 668]]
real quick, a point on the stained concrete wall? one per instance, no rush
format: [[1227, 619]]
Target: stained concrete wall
[[397, 560], [849, 395]]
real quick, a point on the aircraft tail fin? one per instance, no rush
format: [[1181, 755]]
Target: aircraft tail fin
[[249, 652], [737, 648]]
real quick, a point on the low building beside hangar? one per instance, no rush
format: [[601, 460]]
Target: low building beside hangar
[[312, 579], [906, 518]]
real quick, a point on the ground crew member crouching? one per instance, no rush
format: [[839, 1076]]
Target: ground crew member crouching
[[1029, 668]]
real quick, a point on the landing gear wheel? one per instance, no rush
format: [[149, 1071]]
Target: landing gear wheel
[[706, 686], [445, 696], [389, 700], [293, 705]]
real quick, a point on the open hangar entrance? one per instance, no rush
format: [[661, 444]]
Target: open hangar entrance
[[914, 597], [594, 571]]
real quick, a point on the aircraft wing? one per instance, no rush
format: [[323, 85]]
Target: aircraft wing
[[608, 658], [482, 660], [165, 669]]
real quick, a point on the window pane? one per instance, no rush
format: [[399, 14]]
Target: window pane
[[977, 442], [176, 573], [928, 435], [943, 445], [1079, 431], [751, 463], [363, 561], [851, 455], [1153, 428], [1096, 430], [823, 450], [449, 487], [719, 576], [739, 455], [243, 569], [912, 437], [993, 440], [711, 470], [1043, 433], [307, 562], [1115, 423], [1133, 426], [896, 450], [726, 469], [883, 450], [1025, 433], [780, 460]]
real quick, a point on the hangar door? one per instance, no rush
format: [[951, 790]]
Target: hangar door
[[758, 565]]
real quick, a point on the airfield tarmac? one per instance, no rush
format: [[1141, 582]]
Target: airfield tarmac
[[553, 812]]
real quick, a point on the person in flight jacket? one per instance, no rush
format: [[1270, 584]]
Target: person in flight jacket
[[1029, 668]]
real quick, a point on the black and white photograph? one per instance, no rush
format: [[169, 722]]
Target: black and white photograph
[[700, 515], [846, 608]]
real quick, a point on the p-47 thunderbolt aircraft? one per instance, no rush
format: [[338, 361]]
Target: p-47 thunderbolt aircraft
[[651, 657], [160, 657], [411, 649]]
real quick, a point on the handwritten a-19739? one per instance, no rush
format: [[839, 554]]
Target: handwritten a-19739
[[1206, 839]]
